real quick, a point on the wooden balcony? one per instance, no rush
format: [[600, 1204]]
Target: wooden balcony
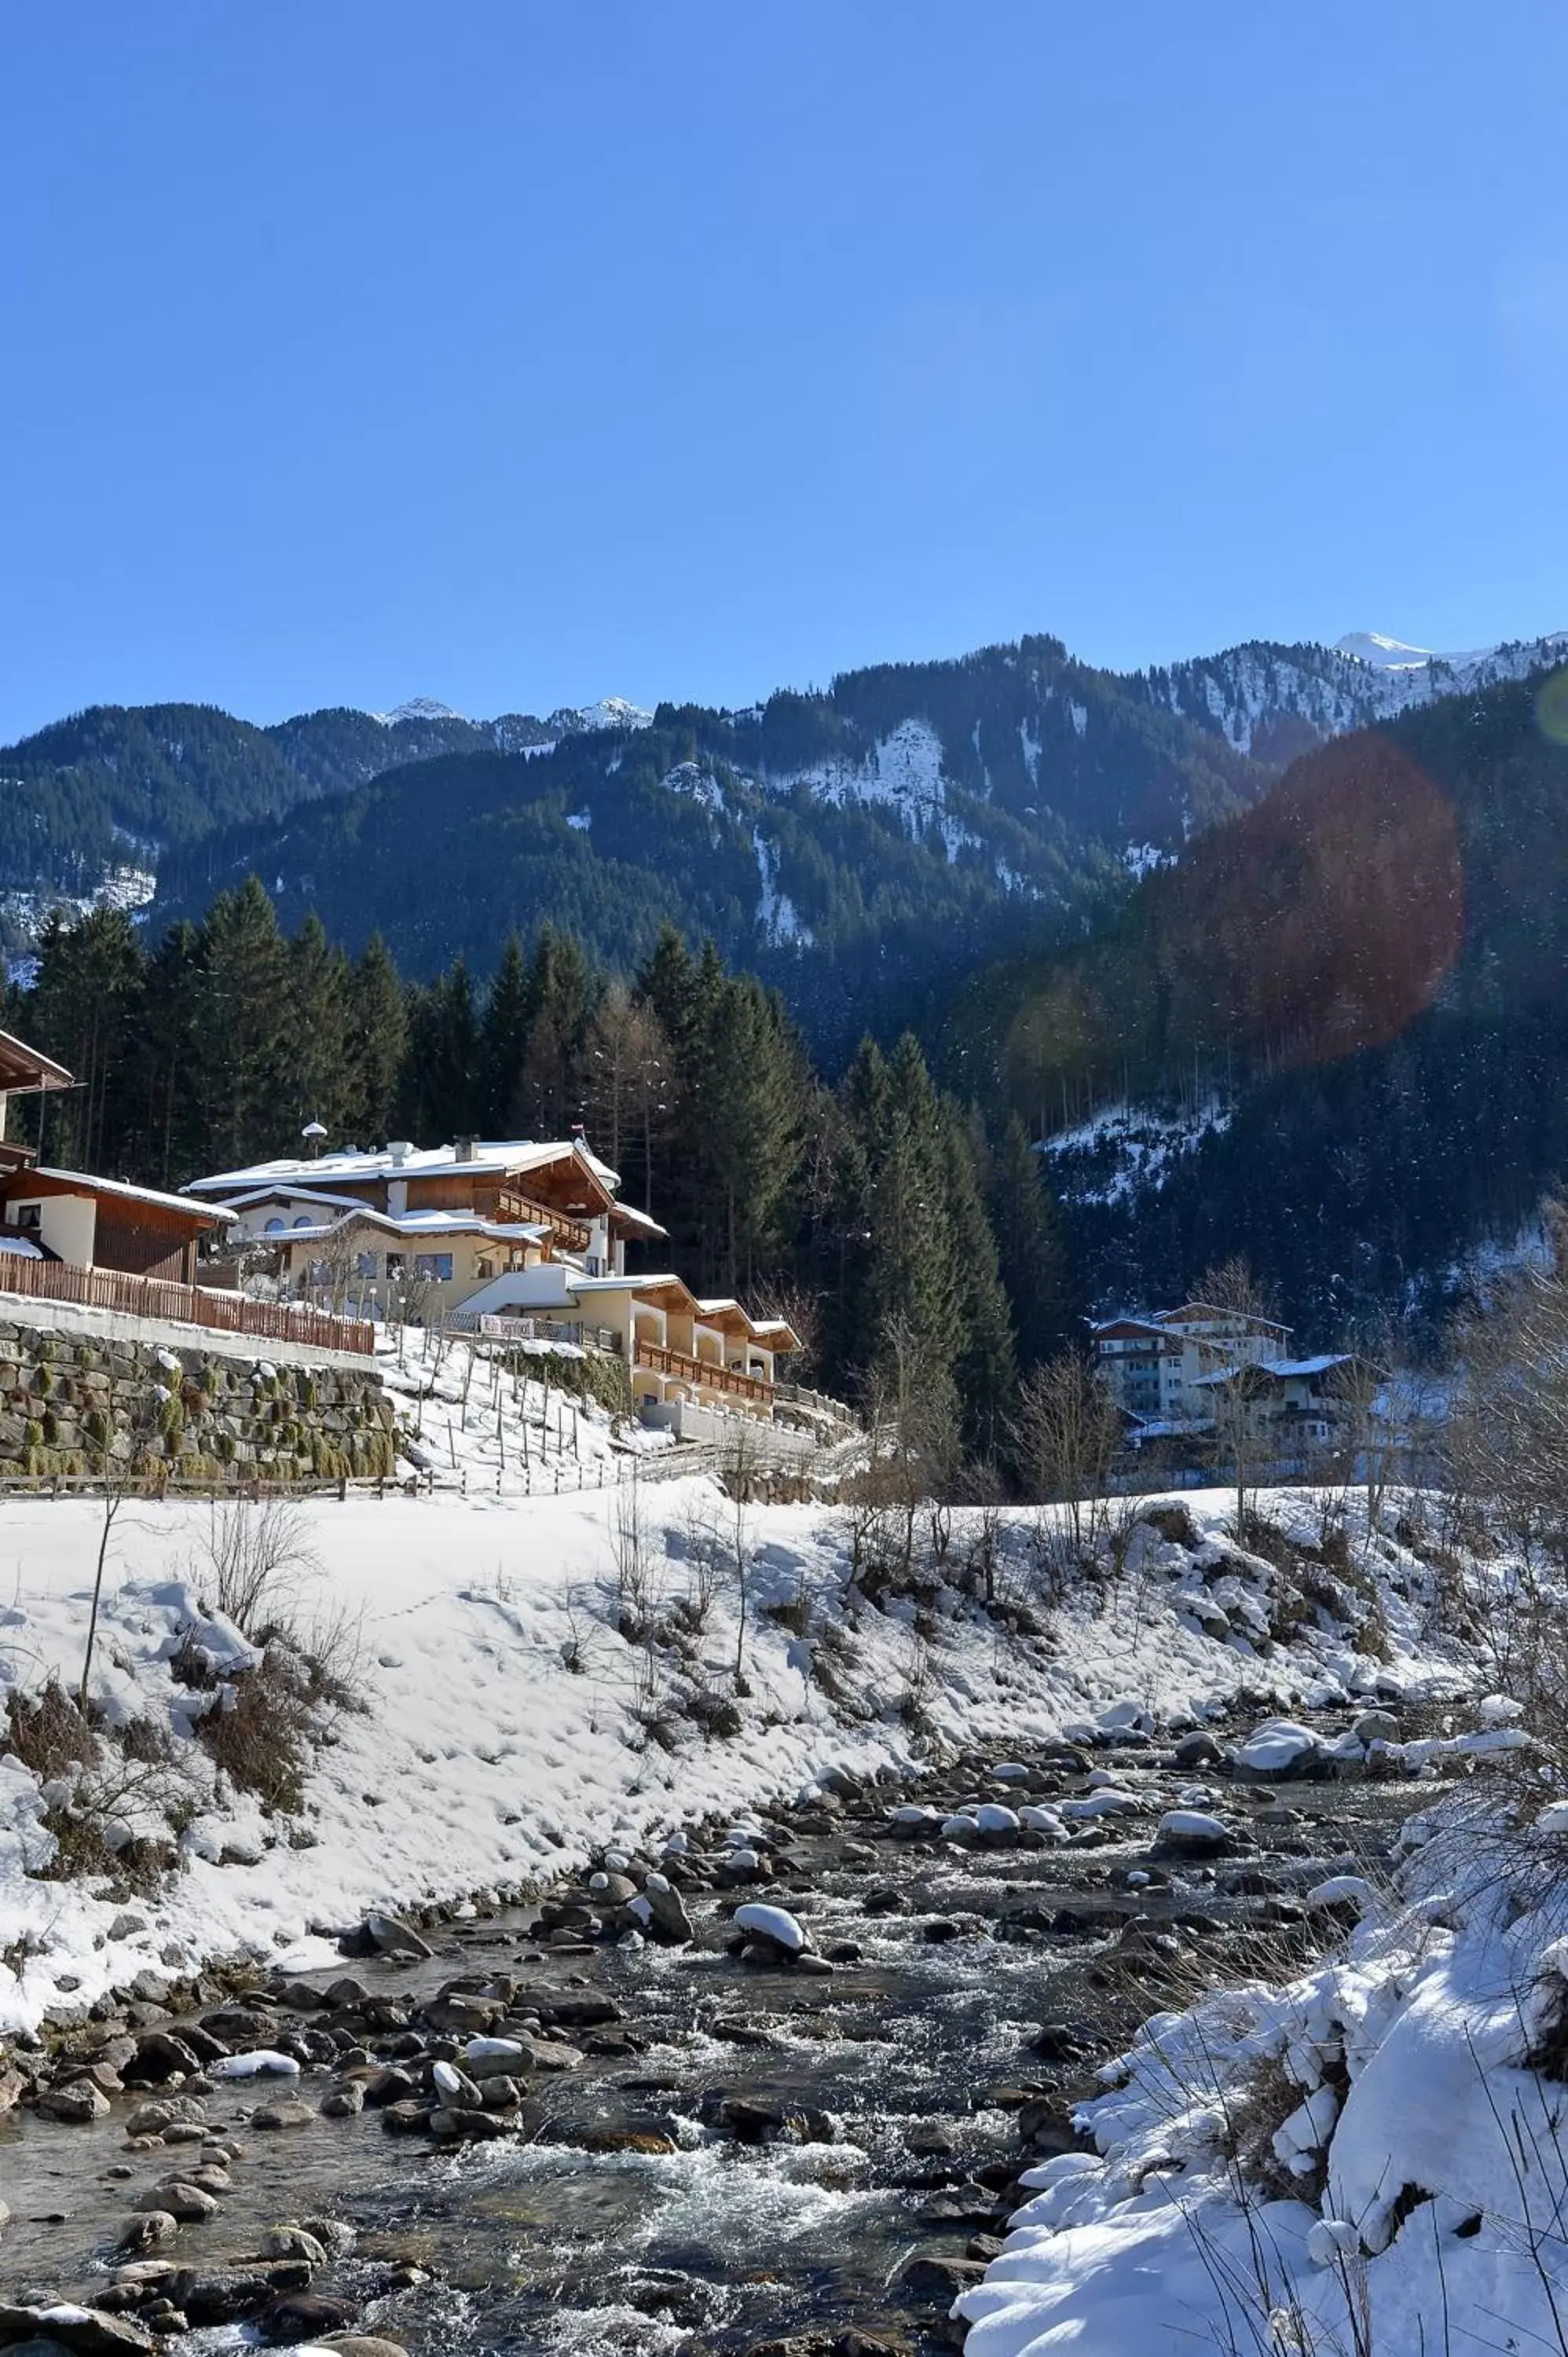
[[705, 1373], [184, 1304], [562, 1227]]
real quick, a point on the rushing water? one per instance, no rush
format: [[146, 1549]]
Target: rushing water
[[703, 2242]]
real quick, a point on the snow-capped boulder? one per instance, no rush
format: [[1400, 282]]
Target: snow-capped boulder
[[1280, 1747], [773, 1931], [1193, 1832]]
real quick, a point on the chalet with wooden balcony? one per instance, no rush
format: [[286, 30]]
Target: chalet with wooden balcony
[[555, 1192]]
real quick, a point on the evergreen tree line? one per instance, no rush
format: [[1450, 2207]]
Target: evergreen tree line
[[884, 1218]]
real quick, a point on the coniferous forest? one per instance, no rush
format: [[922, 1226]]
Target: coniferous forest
[[871, 1211]]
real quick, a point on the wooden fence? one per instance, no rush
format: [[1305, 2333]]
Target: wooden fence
[[185, 1305]]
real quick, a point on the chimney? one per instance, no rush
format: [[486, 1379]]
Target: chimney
[[399, 1148], [579, 1135], [464, 1150]]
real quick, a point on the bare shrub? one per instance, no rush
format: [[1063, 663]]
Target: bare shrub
[[1065, 1435], [49, 1732], [637, 1582], [255, 1556], [262, 1729]]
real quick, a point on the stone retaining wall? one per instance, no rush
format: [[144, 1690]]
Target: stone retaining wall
[[93, 1405]]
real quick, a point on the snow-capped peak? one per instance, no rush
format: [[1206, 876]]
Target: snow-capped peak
[[1382, 654], [614, 712], [419, 707]]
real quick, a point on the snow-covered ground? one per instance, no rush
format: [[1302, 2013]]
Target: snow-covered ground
[[503, 1728], [1127, 1150], [1363, 2161]]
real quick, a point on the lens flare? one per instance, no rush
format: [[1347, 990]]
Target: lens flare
[[1551, 707]]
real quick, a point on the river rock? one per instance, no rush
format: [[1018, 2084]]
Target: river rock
[[772, 1932], [456, 2123], [149, 2232], [1376, 1727], [76, 2103], [190, 2204], [388, 1935], [84, 2331], [662, 1913], [343, 2102], [303, 2315], [462, 2013], [455, 2086], [389, 2086], [356, 2344], [219, 2295], [292, 2242], [1192, 1833], [288, 2112], [941, 2279], [1280, 1749], [1196, 1750], [159, 2057]]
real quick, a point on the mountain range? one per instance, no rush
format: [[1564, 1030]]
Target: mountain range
[[863, 846]]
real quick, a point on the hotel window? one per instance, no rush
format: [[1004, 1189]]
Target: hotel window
[[436, 1265]]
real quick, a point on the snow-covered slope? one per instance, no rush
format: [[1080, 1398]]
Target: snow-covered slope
[[1275, 701], [504, 1707]]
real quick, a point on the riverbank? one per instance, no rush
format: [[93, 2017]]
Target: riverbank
[[607, 2124], [526, 1681]]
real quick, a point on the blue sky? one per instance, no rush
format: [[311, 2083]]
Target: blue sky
[[517, 355]]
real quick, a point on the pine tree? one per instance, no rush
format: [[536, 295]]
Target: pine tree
[[85, 1009], [503, 1035], [243, 1048], [437, 1092], [1034, 1252], [321, 1059], [174, 1141], [667, 983], [984, 1368], [625, 1085], [750, 1091], [377, 1042]]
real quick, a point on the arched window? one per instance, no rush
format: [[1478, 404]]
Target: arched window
[[274, 1227], [303, 1221]]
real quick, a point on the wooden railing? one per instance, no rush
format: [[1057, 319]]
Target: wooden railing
[[573, 1234], [705, 1371], [184, 1304]]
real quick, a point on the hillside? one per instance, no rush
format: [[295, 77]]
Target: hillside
[[109, 794], [862, 847], [1333, 1037]]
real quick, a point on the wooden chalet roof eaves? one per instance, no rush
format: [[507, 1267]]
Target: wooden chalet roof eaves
[[158, 1209], [24, 1066]]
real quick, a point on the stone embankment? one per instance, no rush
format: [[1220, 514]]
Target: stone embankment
[[76, 1407]]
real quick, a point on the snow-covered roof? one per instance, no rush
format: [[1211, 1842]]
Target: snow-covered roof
[[417, 1226], [20, 1247], [627, 1215], [89, 1183], [489, 1157], [1280, 1368], [22, 1067], [284, 1191], [1193, 1313]]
